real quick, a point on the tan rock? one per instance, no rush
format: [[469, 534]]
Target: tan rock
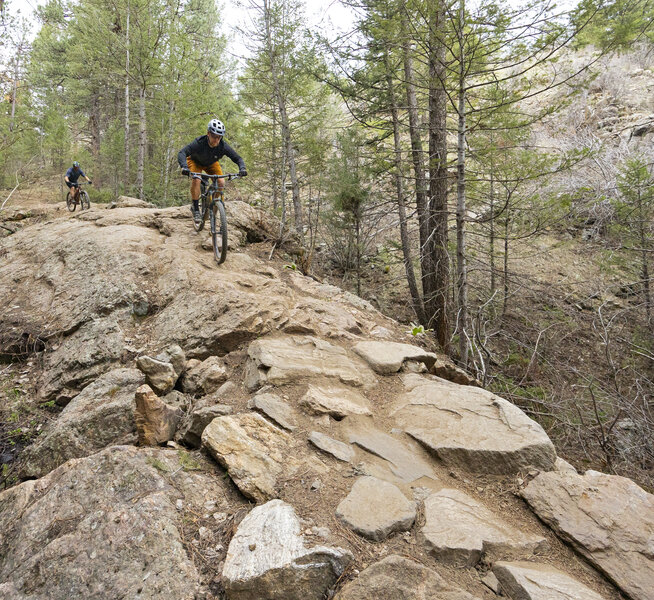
[[534, 581], [275, 409], [376, 509], [608, 519], [254, 452], [205, 377], [472, 428], [388, 357], [459, 530], [399, 578], [337, 401], [156, 421], [287, 359], [337, 449]]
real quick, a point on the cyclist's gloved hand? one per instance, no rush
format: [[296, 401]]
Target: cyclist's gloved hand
[[243, 173], [185, 171], [90, 183]]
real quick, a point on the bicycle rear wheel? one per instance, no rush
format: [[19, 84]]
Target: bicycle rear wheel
[[85, 202], [203, 215], [219, 230], [70, 203]]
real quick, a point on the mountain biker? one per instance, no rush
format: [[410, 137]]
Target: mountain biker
[[71, 177], [203, 154]]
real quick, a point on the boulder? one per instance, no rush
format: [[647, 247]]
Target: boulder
[[267, 559], [471, 428], [103, 527], [254, 452], [287, 359], [101, 415], [205, 377], [534, 581], [156, 421], [399, 578], [337, 449], [191, 431], [162, 371], [459, 530], [275, 409], [388, 357], [606, 518], [335, 400], [376, 509]]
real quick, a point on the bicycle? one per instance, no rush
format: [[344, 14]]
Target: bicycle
[[212, 201], [83, 198]]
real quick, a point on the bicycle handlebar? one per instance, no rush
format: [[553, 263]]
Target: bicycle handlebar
[[228, 176]]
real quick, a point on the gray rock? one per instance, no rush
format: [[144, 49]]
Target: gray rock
[[287, 359], [459, 530], [254, 452], [534, 581], [472, 428], [162, 372], [267, 559], [404, 462], [156, 421], [103, 527], [205, 377], [399, 578], [337, 449], [101, 415], [608, 519], [191, 431], [388, 357], [376, 509], [275, 409], [336, 401]]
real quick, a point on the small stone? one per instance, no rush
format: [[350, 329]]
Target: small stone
[[316, 485], [219, 516], [179, 505], [491, 582], [252, 547]]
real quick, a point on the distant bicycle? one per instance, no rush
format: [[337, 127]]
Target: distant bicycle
[[212, 202], [83, 198]]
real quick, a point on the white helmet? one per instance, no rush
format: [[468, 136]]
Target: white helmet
[[216, 126]]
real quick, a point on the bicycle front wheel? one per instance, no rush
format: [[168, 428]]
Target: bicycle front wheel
[[219, 231], [203, 215], [70, 203], [84, 200]]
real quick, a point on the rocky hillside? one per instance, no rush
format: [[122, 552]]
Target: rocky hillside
[[245, 432]]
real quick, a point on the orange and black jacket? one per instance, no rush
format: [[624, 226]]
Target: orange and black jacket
[[204, 155]]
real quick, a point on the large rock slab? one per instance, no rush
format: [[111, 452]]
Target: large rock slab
[[376, 509], [472, 428], [105, 526], [399, 578], [196, 422], [254, 452], [267, 559], [404, 462], [459, 530], [287, 359], [534, 581], [275, 409], [608, 519], [388, 357], [156, 421], [337, 449], [101, 415], [337, 401]]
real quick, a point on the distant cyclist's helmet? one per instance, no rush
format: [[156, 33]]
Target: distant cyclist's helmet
[[76, 165], [215, 126]]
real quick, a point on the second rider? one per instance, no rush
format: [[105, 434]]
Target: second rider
[[203, 154]]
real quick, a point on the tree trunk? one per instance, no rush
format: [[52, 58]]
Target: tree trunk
[[418, 307], [491, 236], [126, 183], [506, 264], [417, 156], [461, 268], [438, 279], [140, 173], [644, 263]]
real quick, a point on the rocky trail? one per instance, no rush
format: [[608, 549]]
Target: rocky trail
[[244, 432]]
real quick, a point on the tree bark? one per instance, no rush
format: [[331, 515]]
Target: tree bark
[[127, 158], [438, 279], [140, 173]]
